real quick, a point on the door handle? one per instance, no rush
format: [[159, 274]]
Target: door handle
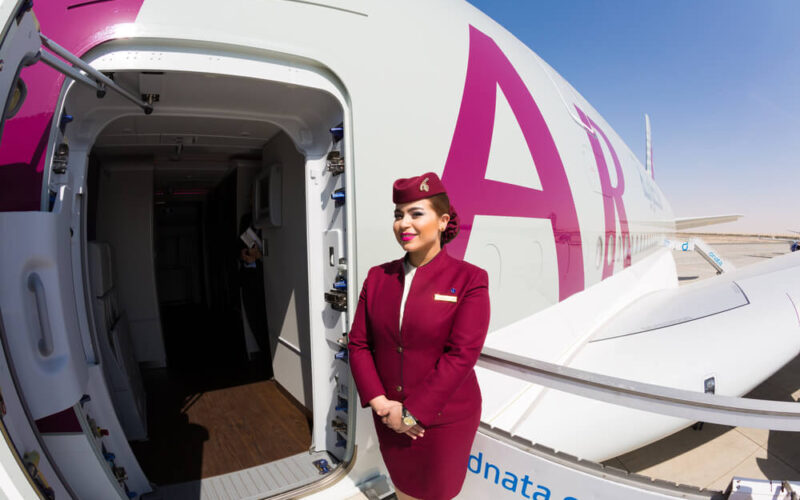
[[36, 286]]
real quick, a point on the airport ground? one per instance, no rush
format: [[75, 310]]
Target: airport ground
[[711, 456]]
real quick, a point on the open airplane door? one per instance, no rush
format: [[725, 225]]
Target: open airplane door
[[20, 47], [43, 368], [36, 289]]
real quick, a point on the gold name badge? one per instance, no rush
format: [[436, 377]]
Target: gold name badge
[[445, 298]]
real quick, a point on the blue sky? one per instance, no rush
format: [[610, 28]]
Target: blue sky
[[720, 80]]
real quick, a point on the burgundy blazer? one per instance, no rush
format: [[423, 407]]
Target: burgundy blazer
[[428, 365]]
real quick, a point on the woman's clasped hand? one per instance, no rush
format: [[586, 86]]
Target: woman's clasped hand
[[391, 413]]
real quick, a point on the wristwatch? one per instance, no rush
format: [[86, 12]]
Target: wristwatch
[[408, 418]]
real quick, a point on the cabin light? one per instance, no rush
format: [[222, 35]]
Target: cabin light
[[65, 118]]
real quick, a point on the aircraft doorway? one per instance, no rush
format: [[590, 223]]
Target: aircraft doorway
[[219, 377], [213, 406]]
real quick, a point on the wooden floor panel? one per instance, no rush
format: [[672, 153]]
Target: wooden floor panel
[[199, 435], [213, 412]]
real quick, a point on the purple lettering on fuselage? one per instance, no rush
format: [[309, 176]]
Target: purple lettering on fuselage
[[465, 170], [612, 197], [76, 26]]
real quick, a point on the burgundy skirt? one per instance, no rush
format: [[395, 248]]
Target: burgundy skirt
[[434, 466]]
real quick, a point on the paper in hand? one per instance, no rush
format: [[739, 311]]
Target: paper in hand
[[251, 239]]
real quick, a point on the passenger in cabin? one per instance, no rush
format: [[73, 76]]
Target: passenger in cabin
[[418, 330], [251, 282]]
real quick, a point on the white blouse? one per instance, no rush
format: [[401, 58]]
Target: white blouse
[[410, 269]]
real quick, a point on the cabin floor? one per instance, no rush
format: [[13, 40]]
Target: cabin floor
[[710, 456], [212, 411]]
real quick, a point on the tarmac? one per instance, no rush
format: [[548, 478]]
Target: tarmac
[[711, 456]]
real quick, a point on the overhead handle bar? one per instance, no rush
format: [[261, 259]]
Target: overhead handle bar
[[94, 79]]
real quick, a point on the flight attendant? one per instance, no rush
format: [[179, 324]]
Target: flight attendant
[[419, 327]]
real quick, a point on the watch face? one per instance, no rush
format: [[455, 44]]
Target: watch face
[[409, 420]]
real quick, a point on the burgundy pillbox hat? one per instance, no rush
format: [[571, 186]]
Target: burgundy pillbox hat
[[417, 188]]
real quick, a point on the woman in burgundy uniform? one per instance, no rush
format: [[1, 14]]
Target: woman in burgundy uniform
[[419, 327]]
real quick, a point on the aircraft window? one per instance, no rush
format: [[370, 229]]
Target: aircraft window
[[18, 95], [609, 248]]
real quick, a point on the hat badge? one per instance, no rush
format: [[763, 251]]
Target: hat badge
[[423, 186]]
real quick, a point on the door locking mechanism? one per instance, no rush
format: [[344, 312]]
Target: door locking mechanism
[[337, 299], [60, 158], [335, 163], [337, 296]]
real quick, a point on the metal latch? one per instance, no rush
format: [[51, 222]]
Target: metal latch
[[339, 426], [119, 473], [60, 158], [335, 164], [31, 461], [337, 299]]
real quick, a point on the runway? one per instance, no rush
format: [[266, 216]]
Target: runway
[[711, 456]]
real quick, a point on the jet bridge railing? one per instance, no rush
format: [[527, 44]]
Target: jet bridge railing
[[694, 406]]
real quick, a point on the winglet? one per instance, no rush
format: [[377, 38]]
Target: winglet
[[649, 146]]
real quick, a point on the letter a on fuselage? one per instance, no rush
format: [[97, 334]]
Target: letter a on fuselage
[[465, 171]]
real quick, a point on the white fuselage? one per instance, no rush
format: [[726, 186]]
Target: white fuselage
[[566, 220]]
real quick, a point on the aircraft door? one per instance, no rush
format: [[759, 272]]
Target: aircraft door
[[40, 347], [20, 48], [36, 292]]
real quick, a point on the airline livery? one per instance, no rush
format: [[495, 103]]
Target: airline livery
[[137, 135]]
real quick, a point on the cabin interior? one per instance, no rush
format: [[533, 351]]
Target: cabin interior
[[208, 358]]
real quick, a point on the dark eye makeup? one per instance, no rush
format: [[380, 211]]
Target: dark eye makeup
[[415, 212]]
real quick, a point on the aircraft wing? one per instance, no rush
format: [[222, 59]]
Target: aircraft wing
[[727, 334], [692, 222]]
